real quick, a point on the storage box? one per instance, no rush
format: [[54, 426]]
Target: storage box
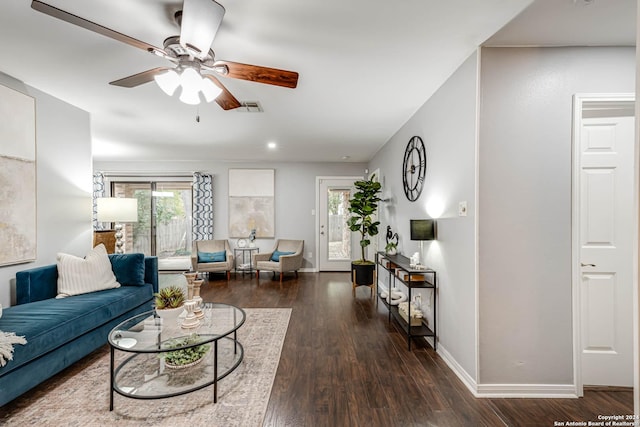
[[403, 275], [387, 264]]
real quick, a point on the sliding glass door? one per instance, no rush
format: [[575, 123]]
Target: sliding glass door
[[164, 221]]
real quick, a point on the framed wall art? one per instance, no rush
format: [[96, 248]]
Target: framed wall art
[[251, 202], [17, 177]]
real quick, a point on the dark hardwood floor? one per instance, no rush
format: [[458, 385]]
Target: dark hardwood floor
[[343, 364]]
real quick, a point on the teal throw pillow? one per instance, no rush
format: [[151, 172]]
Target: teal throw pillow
[[212, 256], [277, 254], [128, 268]]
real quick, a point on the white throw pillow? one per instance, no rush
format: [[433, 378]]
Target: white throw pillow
[[83, 275]]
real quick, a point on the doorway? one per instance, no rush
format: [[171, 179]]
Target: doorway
[[333, 237], [603, 218]]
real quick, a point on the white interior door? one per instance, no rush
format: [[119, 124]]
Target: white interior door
[[605, 264], [335, 248]]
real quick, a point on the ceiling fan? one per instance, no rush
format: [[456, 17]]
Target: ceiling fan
[[190, 53]]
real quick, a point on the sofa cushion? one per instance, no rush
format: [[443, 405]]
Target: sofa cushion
[[128, 268], [89, 274], [277, 254], [220, 256], [51, 323]]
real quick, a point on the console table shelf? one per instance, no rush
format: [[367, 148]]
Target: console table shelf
[[398, 268]]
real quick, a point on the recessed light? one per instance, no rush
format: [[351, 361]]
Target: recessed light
[[346, 157], [272, 145]]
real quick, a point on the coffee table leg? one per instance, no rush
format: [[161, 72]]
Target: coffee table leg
[[111, 380], [215, 372]]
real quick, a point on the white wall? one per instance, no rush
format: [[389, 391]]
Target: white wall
[[63, 164], [447, 125], [525, 204], [295, 194]]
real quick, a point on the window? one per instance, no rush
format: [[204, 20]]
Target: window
[[164, 220]]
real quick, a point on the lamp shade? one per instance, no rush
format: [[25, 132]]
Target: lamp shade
[[117, 209], [423, 229], [168, 81]]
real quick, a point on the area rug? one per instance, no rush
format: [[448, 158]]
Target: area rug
[[79, 396]]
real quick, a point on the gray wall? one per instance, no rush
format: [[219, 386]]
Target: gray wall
[[525, 204], [447, 125], [295, 194], [63, 164]]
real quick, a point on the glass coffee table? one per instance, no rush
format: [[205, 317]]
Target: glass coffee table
[[166, 360]]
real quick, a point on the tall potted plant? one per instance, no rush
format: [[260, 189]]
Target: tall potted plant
[[363, 206]]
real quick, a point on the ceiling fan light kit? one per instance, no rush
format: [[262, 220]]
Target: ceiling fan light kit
[[192, 85], [168, 81], [190, 53]]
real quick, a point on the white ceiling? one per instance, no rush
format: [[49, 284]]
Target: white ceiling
[[365, 67]]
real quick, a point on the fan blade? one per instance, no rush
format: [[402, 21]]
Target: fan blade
[[226, 100], [92, 26], [138, 79], [200, 22], [255, 73]]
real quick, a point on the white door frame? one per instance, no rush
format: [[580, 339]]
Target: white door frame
[[317, 212], [596, 101]]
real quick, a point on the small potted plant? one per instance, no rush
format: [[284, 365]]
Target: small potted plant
[[391, 248], [169, 302], [363, 206], [392, 242], [185, 357]]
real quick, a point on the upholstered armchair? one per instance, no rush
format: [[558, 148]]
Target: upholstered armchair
[[286, 255], [212, 256]]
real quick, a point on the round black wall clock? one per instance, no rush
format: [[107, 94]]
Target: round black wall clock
[[414, 167]]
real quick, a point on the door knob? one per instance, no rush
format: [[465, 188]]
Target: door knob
[[582, 264]]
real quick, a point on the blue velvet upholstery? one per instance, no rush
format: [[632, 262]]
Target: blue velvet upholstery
[[128, 268], [60, 332], [46, 325], [277, 254], [220, 256], [29, 284]]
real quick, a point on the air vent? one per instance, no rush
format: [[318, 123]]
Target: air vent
[[250, 107]]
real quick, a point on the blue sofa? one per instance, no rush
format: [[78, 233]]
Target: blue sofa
[[60, 332]]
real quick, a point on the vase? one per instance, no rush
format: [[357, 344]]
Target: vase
[[362, 274], [170, 315]]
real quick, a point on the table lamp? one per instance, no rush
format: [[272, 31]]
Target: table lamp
[[118, 210], [422, 229]]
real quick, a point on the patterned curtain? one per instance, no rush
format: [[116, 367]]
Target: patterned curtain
[[202, 206], [98, 191]]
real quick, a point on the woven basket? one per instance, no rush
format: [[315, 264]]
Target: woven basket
[[188, 365]]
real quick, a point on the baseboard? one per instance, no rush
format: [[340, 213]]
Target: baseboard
[[457, 369], [531, 391], [308, 270]]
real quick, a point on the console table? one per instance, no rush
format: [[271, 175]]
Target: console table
[[400, 271]]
